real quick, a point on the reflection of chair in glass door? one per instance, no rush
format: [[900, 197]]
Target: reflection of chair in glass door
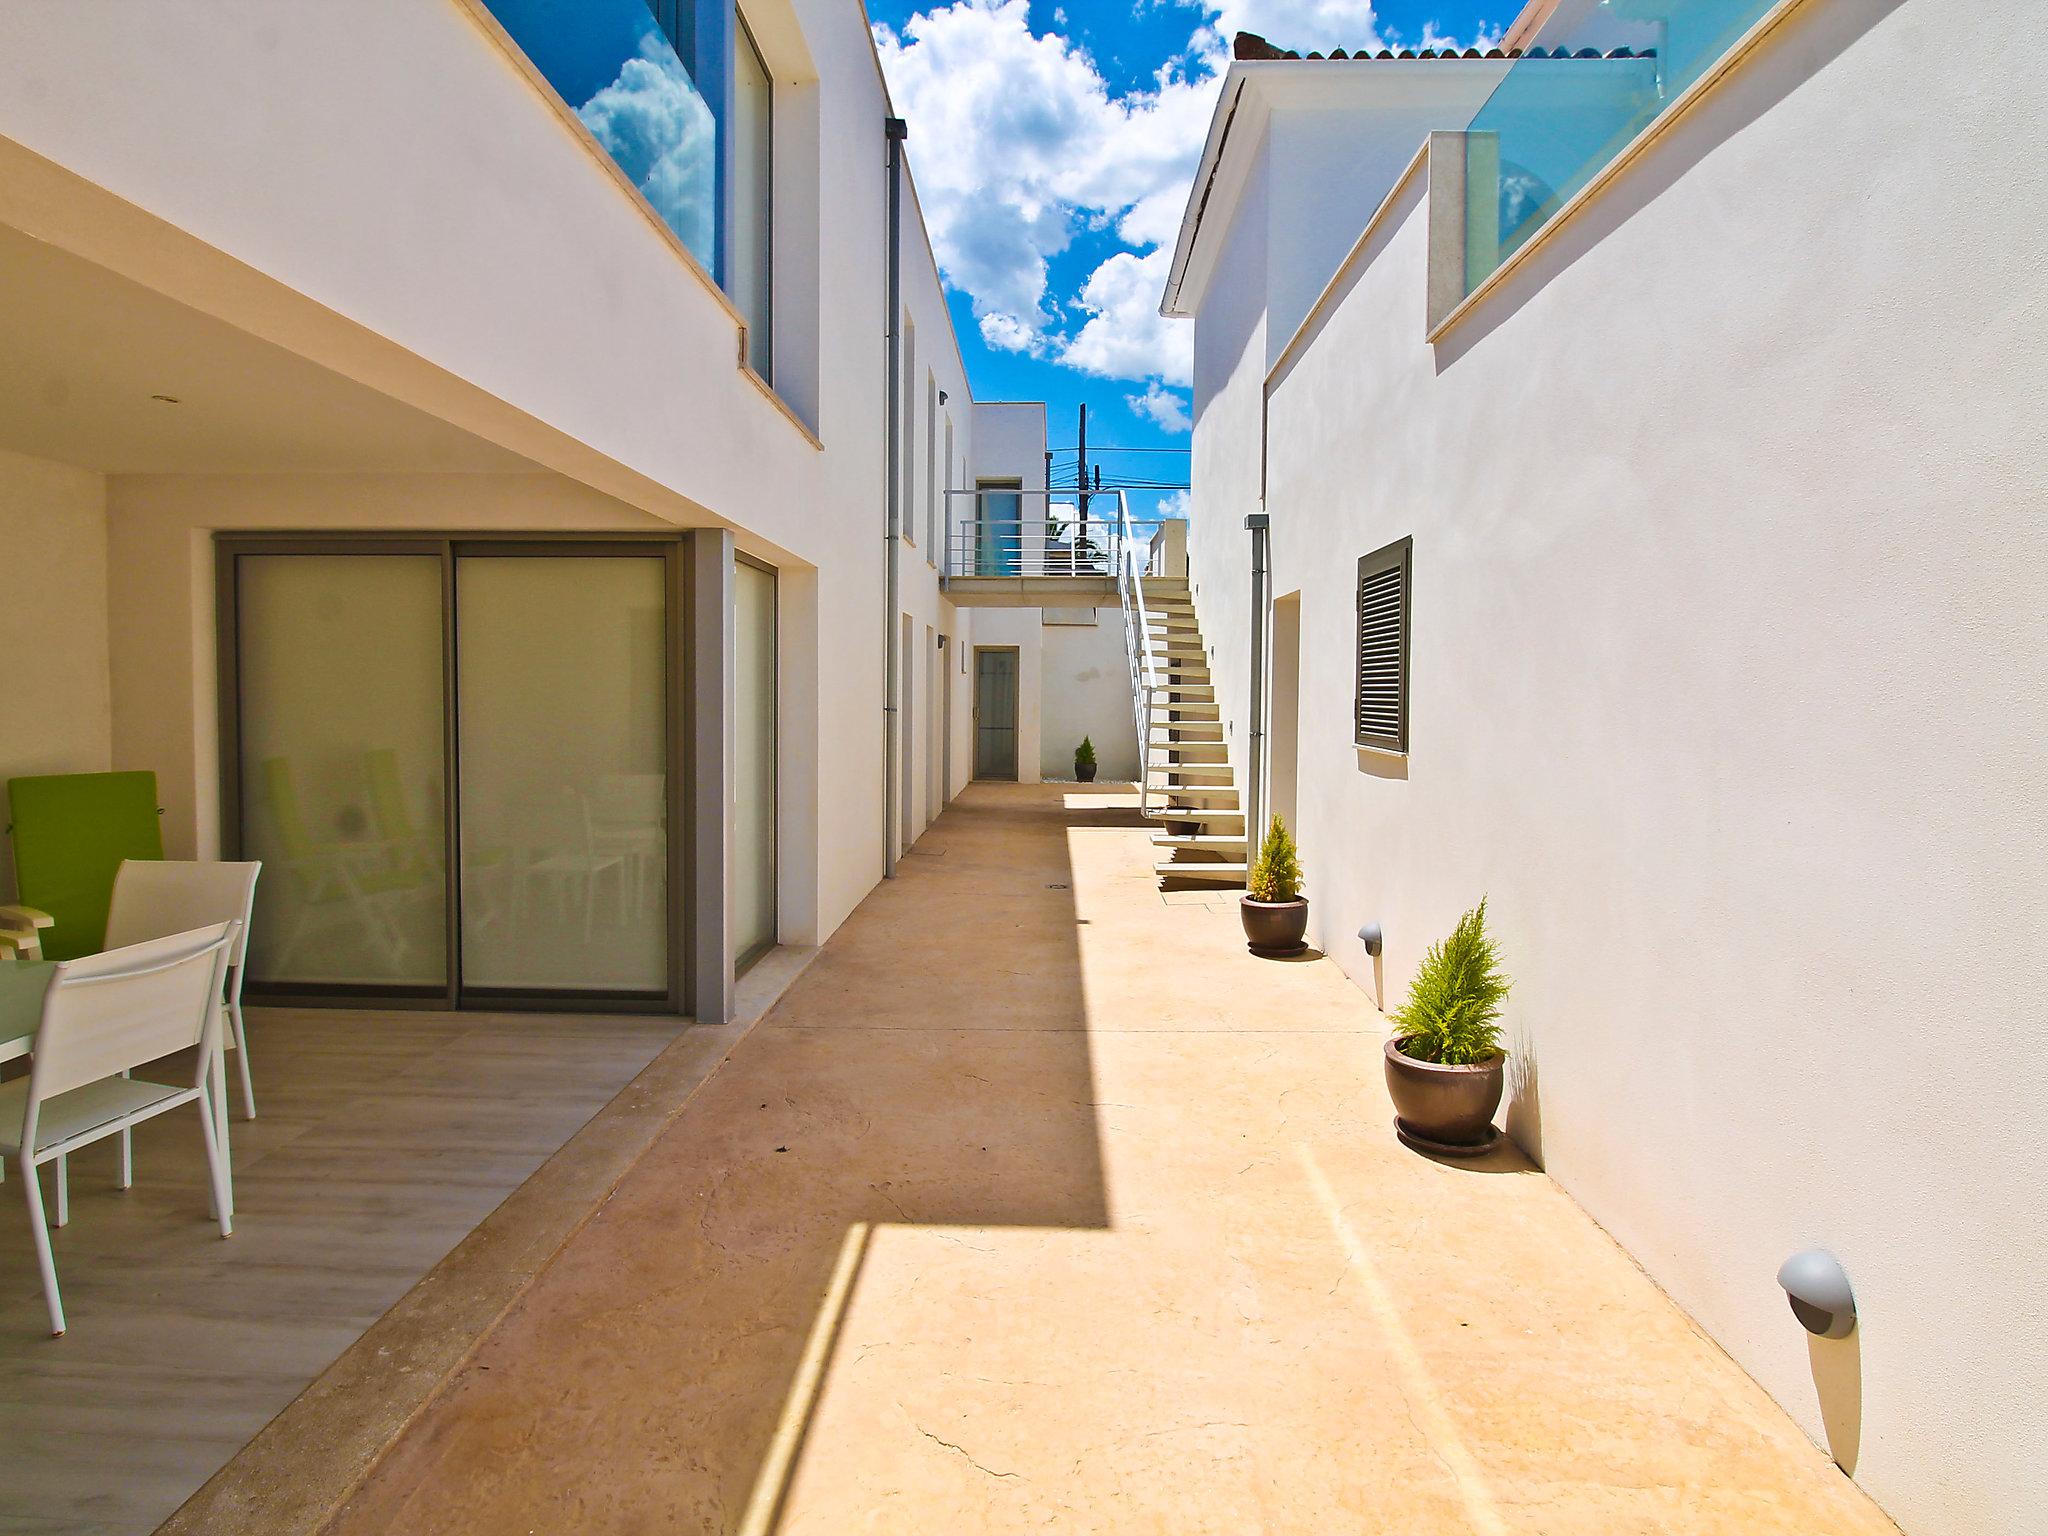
[[338, 885], [629, 817], [563, 861]]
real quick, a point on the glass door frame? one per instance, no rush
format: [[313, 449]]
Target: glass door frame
[[679, 708]]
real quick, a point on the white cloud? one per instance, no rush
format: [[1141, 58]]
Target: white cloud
[[1163, 407], [1125, 336], [1321, 25], [1172, 504], [654, 124], [1018, 143]]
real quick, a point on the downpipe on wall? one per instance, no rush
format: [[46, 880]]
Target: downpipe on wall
[[894, 130], [1254, 786]]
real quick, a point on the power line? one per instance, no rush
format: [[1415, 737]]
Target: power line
[[1094, 449]]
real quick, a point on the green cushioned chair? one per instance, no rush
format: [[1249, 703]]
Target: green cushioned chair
[[70, 833]]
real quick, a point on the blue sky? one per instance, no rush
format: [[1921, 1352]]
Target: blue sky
[[1053, 144]]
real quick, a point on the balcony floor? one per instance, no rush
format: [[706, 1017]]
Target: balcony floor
[[1038, 1204]]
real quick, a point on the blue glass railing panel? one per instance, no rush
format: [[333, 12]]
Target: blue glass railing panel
[[1598, 75], [613, 64]]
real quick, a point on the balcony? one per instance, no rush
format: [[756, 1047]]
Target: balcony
[[998, 555]]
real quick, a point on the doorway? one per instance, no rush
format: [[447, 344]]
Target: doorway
[[995, 712], [454, 759], [1285, 733], [998, 528]]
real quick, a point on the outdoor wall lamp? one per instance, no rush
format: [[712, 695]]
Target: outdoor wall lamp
[[1371, 937], [1818, 1288]]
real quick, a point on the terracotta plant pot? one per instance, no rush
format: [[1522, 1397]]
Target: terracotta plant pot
[[1445, 1110], [1085, 772], [1274, 927]]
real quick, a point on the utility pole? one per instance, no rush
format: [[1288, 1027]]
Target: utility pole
[[1081, 458]]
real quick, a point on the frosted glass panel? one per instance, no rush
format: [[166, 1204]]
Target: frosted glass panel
[[754, 759], [341, 709], [564, 838]]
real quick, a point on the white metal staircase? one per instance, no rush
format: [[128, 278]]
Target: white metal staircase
[[1186, 784]]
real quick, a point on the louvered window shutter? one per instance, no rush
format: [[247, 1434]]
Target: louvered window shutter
[[1380, 706]]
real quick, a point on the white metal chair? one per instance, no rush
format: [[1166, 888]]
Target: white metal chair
[[155, 897], [102, 1017]]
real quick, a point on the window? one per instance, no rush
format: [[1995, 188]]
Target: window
[[931, 468], [750, 276], [946, 470], [908, 364], [1380, 706]]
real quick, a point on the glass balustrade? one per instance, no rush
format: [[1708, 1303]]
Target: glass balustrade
[[1595, 77]]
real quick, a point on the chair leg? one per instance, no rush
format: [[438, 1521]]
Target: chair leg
[[126, 1178], [45, 1261], [216, 1104], [242, 1061], [63, 1191], [216, 1168]]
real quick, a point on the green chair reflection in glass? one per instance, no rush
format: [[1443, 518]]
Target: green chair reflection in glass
[[335, 885]]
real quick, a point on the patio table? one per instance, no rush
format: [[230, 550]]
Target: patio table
[[22, 984]]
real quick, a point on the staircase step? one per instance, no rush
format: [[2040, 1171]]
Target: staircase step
[[1217, 816], [1166, 731], [1214, 873], [1201, 842], [1173, 777], [1186, 709]]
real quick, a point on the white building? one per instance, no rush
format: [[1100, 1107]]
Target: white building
[[457, 437], [1684, 400]]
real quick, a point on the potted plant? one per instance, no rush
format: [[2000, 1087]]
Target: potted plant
[[1274, 913], [1084, 761], [1444, 1063]]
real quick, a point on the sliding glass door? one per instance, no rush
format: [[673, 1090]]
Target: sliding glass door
[[754, 746], [342, 710], [501, 709], [562, 731]]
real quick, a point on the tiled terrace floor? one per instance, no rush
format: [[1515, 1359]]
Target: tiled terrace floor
[[1037, 1204]]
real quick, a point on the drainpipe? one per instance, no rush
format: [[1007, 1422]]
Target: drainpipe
[[895, 130], [1254, 790]]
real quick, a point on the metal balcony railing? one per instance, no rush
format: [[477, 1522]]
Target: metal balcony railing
[[1001, 538]]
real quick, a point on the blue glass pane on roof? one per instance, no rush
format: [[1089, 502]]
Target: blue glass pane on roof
[[611, 62]]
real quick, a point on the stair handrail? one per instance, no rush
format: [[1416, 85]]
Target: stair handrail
[[1146, 682]]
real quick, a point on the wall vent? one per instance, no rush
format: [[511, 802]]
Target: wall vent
[[1380, 705]]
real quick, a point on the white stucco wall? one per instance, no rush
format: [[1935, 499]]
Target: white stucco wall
[[55, 711], [530, 302], [1730, 662], [1084, 680]]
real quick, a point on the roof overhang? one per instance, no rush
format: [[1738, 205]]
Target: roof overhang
[[1253, 89]]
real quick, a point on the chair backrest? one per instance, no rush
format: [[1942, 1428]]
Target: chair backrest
[[283, 796], [387, 795], [153, 898], [71, 832], [124, 1007]]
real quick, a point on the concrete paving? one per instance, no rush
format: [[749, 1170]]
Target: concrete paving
[[1038, 1204]]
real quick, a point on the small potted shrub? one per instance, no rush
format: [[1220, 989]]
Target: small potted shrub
[[1274, 912], [1445, 1063], [1084, 761]]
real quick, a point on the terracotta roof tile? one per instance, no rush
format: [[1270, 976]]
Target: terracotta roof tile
[[1249, 45]]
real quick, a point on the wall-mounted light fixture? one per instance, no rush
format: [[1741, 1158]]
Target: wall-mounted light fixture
[[1371, 937], [1818, 1288], [942, 397]]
